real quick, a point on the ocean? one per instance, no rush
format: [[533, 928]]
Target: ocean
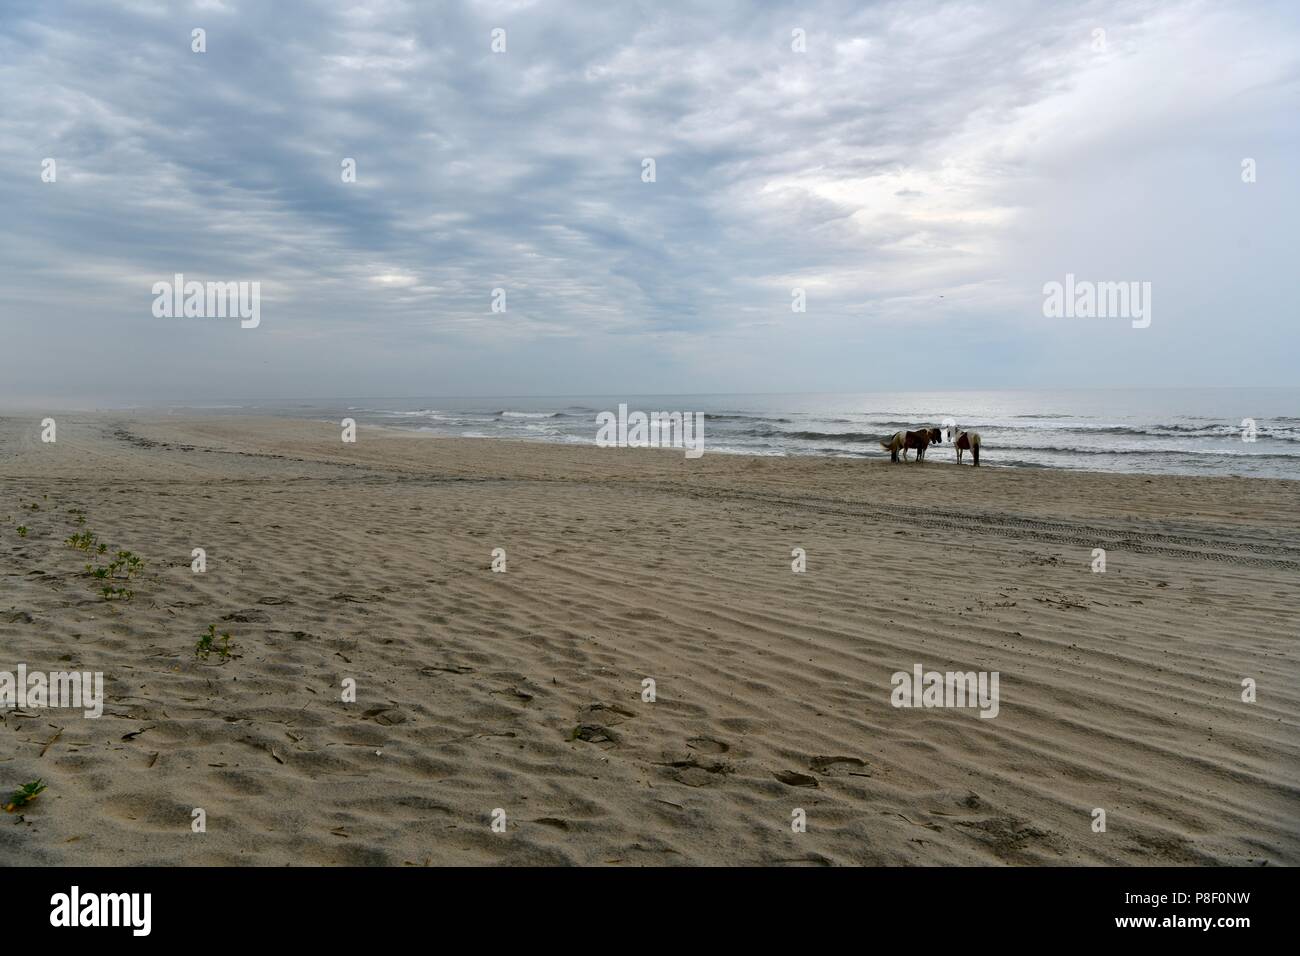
[[1149, 431]]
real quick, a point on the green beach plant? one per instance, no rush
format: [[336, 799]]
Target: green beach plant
[[207, 644], [24, 795], [82, 542]]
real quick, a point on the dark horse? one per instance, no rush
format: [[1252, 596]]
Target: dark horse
[[920, 440]]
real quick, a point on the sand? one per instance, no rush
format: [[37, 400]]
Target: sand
[[522, 691]]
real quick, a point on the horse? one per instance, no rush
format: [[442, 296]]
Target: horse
[[893, 444], [968, 441], [902, 441], [921, 440]]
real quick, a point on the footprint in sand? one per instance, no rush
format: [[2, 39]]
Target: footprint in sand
[[594, 734], [835, 766], [605, 713], [516, 693], [688, 769], [793, 778], [248, 616], [385, 715], [707, 745]]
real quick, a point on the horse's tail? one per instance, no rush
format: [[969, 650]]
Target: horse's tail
[[888, 442]]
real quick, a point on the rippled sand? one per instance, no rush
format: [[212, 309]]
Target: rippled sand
[[523, 691]]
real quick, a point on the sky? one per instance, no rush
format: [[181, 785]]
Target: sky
[[920, 170]]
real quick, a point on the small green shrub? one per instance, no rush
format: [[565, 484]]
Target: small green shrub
[[208, 644], [24, 795]]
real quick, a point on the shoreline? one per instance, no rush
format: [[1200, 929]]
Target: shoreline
[[944, 449]]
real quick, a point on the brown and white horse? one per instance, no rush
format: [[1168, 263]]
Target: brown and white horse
[[902, 441], [967, 441]]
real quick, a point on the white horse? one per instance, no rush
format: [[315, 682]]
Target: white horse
[[966, 441]]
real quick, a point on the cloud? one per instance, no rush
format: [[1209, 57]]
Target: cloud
[[915, 150]]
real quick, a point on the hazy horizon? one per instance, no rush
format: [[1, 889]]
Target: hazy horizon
[[267, 402]]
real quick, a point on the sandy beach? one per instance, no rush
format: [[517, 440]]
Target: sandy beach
[[523, 691]]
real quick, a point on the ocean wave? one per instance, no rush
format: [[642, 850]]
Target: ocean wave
[[851, 438], [1158, 430], [1203, 453], [738, 417], [1017, 463]]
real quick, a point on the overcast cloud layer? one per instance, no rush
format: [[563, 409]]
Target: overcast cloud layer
[[921, 171]]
